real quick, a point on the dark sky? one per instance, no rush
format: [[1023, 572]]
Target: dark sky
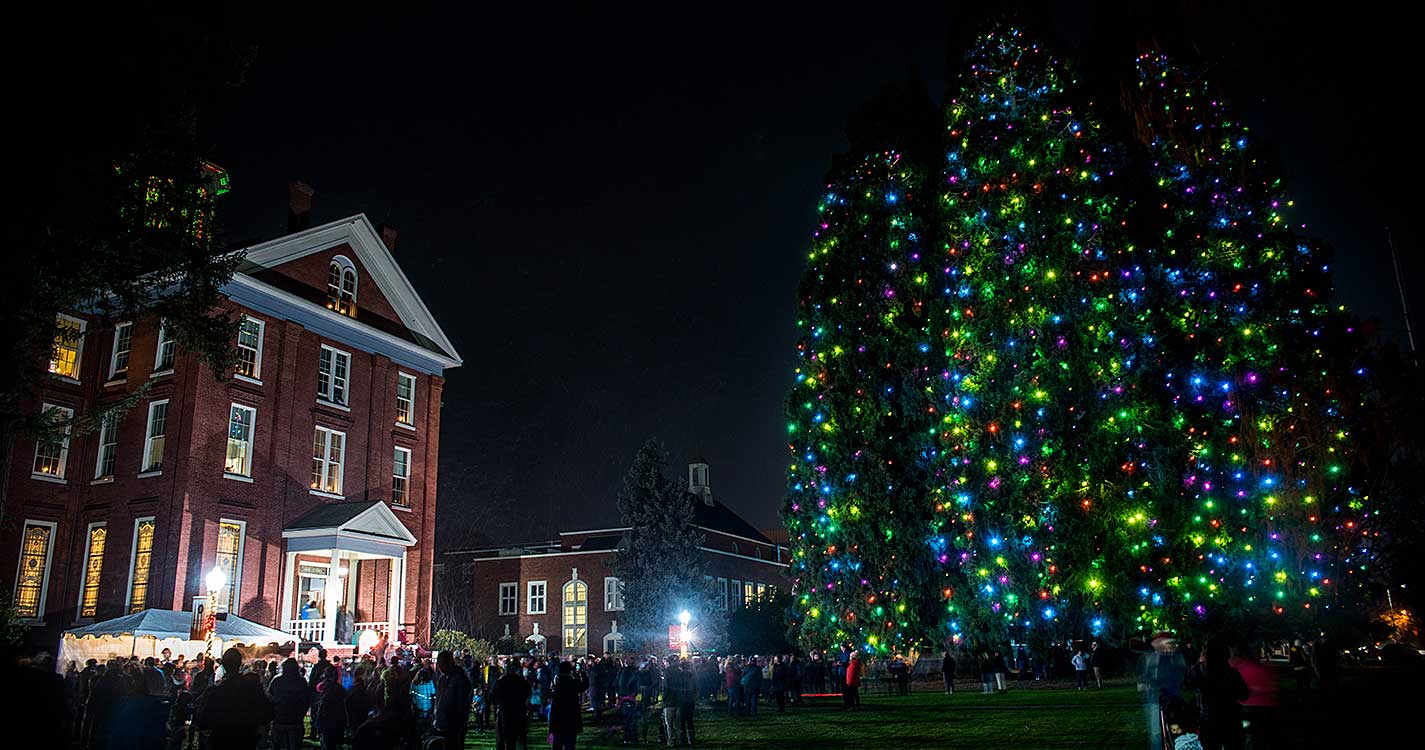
[[609, 214]]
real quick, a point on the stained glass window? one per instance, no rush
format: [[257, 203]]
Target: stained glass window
[[229, 560], [93, 567], [34, 569], [142, 564]]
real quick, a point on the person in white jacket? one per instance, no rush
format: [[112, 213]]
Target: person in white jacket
[[1081, 669]]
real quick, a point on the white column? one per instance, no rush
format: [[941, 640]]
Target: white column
[[393, 584], [333, 597], [289, 586], [401, 590]]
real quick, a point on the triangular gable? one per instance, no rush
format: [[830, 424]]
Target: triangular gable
[[381, 269], [378, 520]]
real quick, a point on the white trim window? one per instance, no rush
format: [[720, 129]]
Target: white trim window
[[94, 542], [736, 594], [32, 574], [405, 399], [722, 593], [401, 477], [240, 425], [613, 595], [538, 595], [249, 348], [140, 564], [749, 592], [155, 436], [52, 456], [123, 343], [328, 457], [510, 598], [332, 370], [108, 447], [68, 352], [231, 535], [341, 286], [165, 352]]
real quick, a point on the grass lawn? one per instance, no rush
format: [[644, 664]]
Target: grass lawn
[[1043, 718]]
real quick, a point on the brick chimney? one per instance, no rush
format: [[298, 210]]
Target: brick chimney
[[388, 236], [299, 206]]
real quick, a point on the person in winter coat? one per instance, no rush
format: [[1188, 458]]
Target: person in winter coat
[[233, 710], [987, 674], [752, 685], [566, 720], [291, 697], [732, 679], [331, 711], [852, 681], [1081, 670], [627, 689], [781, 682], [510, 697], [947, 672], [452, 701], [1221, 690]]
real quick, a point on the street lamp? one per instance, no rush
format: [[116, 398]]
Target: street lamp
[[683, 618], [216, 580]]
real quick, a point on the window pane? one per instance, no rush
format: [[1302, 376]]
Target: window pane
[[157, 431], [319, 457], [405, 396], [334, 287], [143, 555], [123, 341], [68, 336], [339, 367], [335, 449], [249, 347], [400, 476], [108, 448], [324, 374], [34, 562], [239, 459], [166, 349], [93, 567]]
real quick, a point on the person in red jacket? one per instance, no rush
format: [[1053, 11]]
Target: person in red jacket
[[852, 696]]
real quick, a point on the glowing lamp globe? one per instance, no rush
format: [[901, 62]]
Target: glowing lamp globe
[[684, 617], [216, 580], [368, 640]]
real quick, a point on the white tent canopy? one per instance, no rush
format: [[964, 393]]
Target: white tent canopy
[[148, 632]]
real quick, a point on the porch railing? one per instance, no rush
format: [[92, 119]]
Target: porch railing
[[313, 631], [378, 626]]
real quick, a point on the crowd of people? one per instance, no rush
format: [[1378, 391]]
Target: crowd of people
[[405, 700]]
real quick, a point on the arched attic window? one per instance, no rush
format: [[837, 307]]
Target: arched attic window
[[341, 285]]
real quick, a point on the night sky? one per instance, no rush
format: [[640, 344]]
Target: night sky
[[609, 214]]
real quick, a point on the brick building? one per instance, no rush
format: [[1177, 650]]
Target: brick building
[[564, 592], [309, 475]]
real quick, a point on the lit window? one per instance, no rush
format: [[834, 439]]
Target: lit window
[[93, 567], [166, 351], [613, 595], [535, 605], [108, 446], [51, 456], [749, 592], [576, 617], [140, 564], [509, 598], [341, 286], [401, 477], [240, 421], [328, 447], [405, 399], [332, 369], [68, 347], [32, 581], [155, 436], [249, 364], [230, 538], [123, 342]]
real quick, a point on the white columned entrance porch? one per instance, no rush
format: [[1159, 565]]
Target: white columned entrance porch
[[325, 551]]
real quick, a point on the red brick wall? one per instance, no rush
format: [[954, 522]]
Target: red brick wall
[[192, 494], [483, 577], [312, 271]]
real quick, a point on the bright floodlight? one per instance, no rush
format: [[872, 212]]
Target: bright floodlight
[[684, 617], [216, 580]]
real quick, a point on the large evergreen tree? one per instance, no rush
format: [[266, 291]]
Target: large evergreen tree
[[660, 563], [1256, 374], [1095, 388]]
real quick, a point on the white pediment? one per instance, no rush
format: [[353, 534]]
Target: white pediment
[[378, 520]]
